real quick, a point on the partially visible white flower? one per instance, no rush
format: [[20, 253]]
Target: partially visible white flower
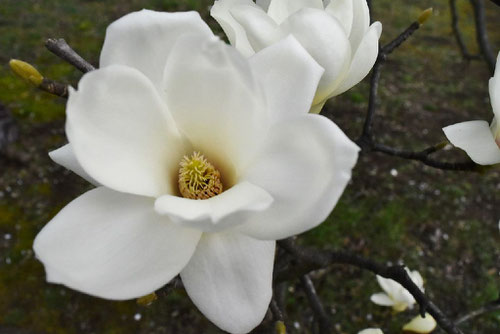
[[202, 159], [371, 331], [337, 34], [421, 325], [395, 295], [478, 139]]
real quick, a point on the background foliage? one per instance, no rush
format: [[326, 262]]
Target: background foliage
[[444, 224]]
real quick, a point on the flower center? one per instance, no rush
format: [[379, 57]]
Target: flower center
[[198, 178]]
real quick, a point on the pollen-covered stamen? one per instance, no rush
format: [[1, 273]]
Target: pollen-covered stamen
[[198, 178]]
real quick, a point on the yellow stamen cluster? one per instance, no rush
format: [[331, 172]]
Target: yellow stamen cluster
[[198, 178]]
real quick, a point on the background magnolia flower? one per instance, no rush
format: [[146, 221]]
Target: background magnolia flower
[[371, 331], [395, 294], [337, 34], [175, 114], [478, 139], [420, 325]]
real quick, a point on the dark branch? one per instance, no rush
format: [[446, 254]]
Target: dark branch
[[458, 35], [382, 56], [424, 157], [497, 2], [60, 48], [400, 39], [482, 35], [366, 140], [323, 319], [321, 259], [54, 87], [490, 307]]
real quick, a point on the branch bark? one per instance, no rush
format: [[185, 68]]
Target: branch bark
[[482, 35], [458, 35], [325, 326], [60, 48]]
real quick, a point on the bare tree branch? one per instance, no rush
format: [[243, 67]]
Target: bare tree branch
[[482, 35], [54, 87], [424, 157], [366, 140], [323, 258], [382, 56], [458, 35], [325, 326], [60, 48], [490, 307]]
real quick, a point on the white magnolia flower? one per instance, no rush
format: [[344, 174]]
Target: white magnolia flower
[[175, 114], [395, 294], [371, 331], [478, 139], [421, 325], [337, 34]]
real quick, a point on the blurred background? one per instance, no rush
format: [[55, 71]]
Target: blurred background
[[444, 224]]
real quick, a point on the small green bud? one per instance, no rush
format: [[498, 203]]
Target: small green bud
[[26, 71], [424, 16], [280, 327]]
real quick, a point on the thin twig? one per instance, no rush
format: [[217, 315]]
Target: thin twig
[[490, 307], [366, 136], [322, 259], [366, 140], [482, 35], [277, 314], [54, 87], [458, 35], [424, 157], [400, 39], [60, 48], [323, 319]]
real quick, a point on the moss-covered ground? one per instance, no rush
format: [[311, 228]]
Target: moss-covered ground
[[444, 224]]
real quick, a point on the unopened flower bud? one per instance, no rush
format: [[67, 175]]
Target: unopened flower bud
[[26, 71], [424, 16]]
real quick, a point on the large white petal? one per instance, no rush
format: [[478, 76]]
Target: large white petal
[[261, 30], [234, 31], [279, 10], [144, 39], [494, 87], [216, 102], [65, 157], [113, 245], [229, 278], [325, 40], [342, 10], [232, 207], [363, 60], [121, 132], [305, 165], [382, 299], [476, 139], [289, 81], [360, 23]]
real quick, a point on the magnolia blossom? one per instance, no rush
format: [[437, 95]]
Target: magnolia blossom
[[337, 34], [201, 158], [478, 139], [420, 325], [371, 331], [395, 294]]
